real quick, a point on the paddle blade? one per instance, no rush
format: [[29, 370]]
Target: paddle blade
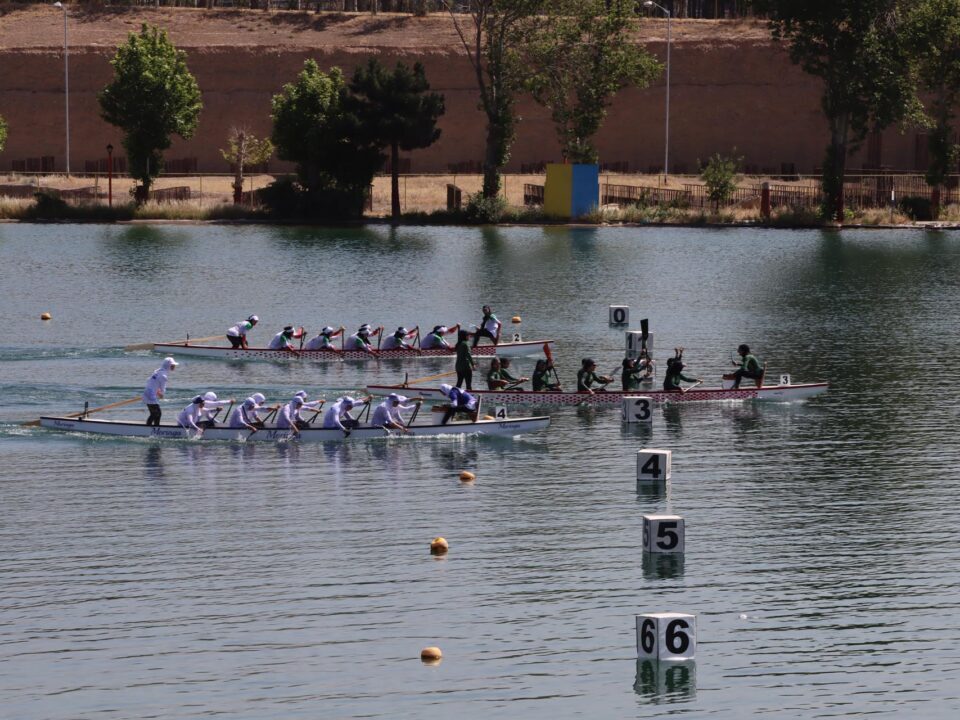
[[548, 352], [644, 328]]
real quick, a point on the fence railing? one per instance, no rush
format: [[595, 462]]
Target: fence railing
[[532, 194]]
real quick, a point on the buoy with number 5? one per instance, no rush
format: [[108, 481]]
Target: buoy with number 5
[[45, 316], [439, 546], [431, 655]]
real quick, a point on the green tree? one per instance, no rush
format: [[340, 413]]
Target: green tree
[[720, 177], [243, 149], [397, 111], [3, 133], [314, 126], [580, 58], [492, 33], [855, 47], [932, 30], [152, 96]]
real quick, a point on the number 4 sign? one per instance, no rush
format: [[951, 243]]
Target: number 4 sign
[[666, 636], [654, 465]]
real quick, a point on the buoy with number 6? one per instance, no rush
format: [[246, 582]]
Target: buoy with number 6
[[439, 546], [45, 316], [467, 476], [431, 654]]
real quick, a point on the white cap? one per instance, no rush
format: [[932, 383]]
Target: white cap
[[300, 393], [253, 319], [297, 400], [364, 328], [197, 400], [258, 398], [445, 389], [347, 400], [169, 362], [402, 329], [396, 398], [210, 396], [327, 330]]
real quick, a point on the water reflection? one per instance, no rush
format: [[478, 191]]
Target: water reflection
[[662, 566], [666, 682], [651, 491]]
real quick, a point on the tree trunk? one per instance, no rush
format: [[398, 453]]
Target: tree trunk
[[834, 167], [395, 183]]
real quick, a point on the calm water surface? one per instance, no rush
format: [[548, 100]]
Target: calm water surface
[[185, 580]]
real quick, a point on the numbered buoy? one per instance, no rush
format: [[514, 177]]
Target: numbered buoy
[[637, 409], [619, 315], [45, 316], [666, 636], [635, 343], [466, 476], [516, 320], [439, 546], [663, 534], [654, 465], [431, 655]]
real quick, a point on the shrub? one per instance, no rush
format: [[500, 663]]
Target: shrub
[[483, 210], [917, 208]]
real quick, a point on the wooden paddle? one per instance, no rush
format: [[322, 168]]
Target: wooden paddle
[[688, 389], [188, 341], [138, 398], [431, 377]]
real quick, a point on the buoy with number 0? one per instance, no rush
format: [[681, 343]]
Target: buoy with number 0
[[439, 546]]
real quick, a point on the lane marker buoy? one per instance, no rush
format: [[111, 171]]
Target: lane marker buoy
[[45, 316], [467, 476], [516, 320], [431, 655], [439, 546]]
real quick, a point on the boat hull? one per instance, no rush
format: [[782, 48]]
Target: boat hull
[[517, 349], [515, 426], [770, 393]]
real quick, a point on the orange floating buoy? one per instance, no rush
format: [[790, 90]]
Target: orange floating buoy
[[439, 546], [45, 316], [467, 476], [516, 320], [431, 655]]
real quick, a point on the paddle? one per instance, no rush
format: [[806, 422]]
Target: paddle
[[83, 413], [187, 341], [549, 355], [698, 382], [430, 377], [644, 333]]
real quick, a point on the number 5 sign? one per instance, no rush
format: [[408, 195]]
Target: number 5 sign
[[663, 534], [666, 636]]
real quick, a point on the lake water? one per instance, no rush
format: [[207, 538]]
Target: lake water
[[185, 580]]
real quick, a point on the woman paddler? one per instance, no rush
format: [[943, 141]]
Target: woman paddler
[[674, 375], [283, 340], [237, 335], [210, 405], [460, 402], [324, 340], [402, 339], [246, 414], [749, 367], [435, 340], [189, 416], [156, 387], [587, 376], [489, 327], [360, 340]]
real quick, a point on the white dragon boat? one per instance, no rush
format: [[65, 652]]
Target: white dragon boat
[[770, 393], [508, 349], [120, 428]]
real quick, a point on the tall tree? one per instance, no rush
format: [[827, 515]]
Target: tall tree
[[855, 47], [580, 57], [398, 111], [315, 127], [492, 33], [152, 96], [3, 133], [244, 149], [932, 31]]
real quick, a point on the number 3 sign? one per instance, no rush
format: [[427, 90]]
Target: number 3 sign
[[666, 636]]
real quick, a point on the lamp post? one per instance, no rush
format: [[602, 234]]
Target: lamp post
[[666, 141], [66, 77], [110, 175]]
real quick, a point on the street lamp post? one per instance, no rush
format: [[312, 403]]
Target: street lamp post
[[66, 77], [110, 175], [666, 141]]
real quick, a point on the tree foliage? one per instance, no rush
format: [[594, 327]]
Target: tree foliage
[[398, 112], [932, 33], [244, 149], [315, 127], [3, 133], [855, 47], [579, 58], [152, 96], [720, 177], [492, 33]]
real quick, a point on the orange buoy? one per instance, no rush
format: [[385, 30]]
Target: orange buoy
[[439, 546], [467, 476], [516, 320], [45, 316], [431, 655]]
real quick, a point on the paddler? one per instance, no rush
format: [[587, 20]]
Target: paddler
[[338, 415], [283, 340], [210, 405], [156, 387], [635, 372], [749, 367], [489, 327], [587, 377], [190, 414], [402, 339], [246, 414], [674, 375], [324, 340], [360, 340], [460, 402], [465, 364], [289, 416], [237, 335], [541, 377], [388, 413], [435, 340], [500, 378]]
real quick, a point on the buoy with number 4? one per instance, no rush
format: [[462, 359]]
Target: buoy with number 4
[[439, 546], [45, 316]]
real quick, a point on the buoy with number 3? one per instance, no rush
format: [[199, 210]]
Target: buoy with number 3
[[439, 546]]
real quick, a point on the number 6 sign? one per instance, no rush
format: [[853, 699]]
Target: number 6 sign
[[666, 636]]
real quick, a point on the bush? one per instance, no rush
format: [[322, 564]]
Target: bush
[[482, 210], [917, 208], [48, 207]]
